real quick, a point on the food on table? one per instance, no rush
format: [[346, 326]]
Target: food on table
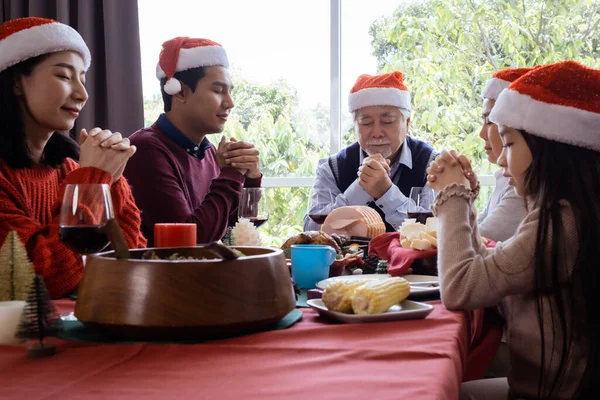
[[354, 221], [350, 252], [365, 296], [431, 224], [370, 263], [340, 240], [353, 248], [414, 235], [338, 295], [377, 296], [312, 237], [346, 264], [151, 255]]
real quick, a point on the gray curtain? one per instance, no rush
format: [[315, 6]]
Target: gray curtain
[[111, 30]]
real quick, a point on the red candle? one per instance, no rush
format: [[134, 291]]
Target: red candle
[[174, 235]]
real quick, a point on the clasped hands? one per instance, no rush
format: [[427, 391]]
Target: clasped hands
[[451, 168], [105, 150], [374, 175], [242, 156]]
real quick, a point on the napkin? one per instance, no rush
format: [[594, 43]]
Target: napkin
[[387, 246]]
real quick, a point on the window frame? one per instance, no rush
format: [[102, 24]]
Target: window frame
[[335, 104]]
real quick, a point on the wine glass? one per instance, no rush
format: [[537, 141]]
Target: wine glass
[[254, 206], [84, 212], [319, 201], [420, 202]]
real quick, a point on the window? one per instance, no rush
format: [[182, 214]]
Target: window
[[357, 52], [293, 64], [279, 61]]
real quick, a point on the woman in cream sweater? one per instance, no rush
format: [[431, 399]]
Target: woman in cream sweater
[[505, 209], [545, 277]]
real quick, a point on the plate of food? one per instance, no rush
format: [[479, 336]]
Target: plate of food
[[371, 300], [420, 285], [405, 310]]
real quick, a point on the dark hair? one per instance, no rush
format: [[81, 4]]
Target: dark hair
[[189, 77], [13, 144], [564, 172]]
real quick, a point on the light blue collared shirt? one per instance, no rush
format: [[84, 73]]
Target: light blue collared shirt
[[393, 203]]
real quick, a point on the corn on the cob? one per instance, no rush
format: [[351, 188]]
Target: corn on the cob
[[377, 296], [338, 295]]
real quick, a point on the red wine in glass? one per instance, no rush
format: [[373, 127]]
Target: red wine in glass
[[254, 206], [419, 205], [84, 239], [258, 221], [319, 205], [420, 216], [318, 218], [85, 209]]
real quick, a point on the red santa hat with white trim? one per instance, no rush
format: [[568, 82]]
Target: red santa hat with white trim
[[500, 81], [379, 90], [183, 53], [25, 38], [559, 102]]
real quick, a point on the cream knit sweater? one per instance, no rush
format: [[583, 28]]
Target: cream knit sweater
[[473, 276], [503, 213]]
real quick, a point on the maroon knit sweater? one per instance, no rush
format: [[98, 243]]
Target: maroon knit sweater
[[30, 201], [170, 185]]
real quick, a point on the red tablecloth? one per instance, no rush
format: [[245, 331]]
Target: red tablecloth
[[422, 359]]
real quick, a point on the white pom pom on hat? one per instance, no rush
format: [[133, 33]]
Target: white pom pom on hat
[[172, 86]]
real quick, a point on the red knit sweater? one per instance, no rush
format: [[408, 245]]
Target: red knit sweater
[[30, 204]]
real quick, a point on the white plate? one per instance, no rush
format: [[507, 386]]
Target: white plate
[[416, 291], [405, 310], [423, 285], [420, 285]]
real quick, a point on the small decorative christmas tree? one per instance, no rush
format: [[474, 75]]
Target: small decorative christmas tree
[[382, 267], [38, 320], [16, 271], [228, 238]]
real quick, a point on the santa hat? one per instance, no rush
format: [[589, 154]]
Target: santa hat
[[25, 38], [379, 90], [559, 102], [500, 81], [182, 53]]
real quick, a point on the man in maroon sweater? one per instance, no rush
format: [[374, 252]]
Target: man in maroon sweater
[[177, 175]]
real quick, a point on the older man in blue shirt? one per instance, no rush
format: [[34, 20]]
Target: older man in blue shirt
[[381, 168]]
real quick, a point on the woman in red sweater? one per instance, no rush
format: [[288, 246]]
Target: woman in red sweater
[[42, 78]]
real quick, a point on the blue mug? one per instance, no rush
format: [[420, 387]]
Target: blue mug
[[310, 264]]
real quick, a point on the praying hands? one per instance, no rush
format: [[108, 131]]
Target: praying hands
[[451, 168]]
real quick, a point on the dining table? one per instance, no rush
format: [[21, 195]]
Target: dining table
[[315, 358]]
